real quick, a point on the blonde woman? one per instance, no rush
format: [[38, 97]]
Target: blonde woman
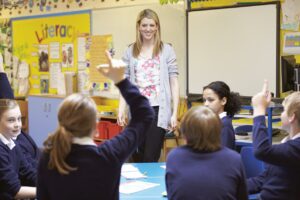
[[72, 166], [152, 67]]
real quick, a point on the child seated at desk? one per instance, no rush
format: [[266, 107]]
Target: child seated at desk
[[203, 168], [17, 177], [72, 166], [225, 103], [281, 179], [26, 143]]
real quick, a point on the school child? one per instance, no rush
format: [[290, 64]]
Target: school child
[[16, 175], [72, 166], [203, 168], [27, 144], [281, 179], [225, 103]]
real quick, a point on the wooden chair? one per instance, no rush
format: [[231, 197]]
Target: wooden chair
[[24, 114], [182, 108]]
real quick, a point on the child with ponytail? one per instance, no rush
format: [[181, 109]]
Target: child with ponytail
[[72, 166]]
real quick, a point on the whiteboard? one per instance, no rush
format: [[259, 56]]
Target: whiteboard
[[238, 45], [121, 21]]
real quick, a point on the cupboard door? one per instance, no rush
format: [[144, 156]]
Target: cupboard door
[[42, 117]]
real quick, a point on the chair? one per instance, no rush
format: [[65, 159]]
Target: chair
[[243, 128], [253, 167], [182, 108]]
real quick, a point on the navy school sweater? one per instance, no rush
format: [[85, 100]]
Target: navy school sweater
[[281, 178], [98, 168], [27, 144], [14, 172]]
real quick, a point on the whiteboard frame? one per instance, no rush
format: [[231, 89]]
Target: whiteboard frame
[[277, 58]]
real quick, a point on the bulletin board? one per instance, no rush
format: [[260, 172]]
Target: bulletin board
[[239, 45], [49, 45]]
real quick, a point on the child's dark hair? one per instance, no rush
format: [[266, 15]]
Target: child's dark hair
[[233, 104]]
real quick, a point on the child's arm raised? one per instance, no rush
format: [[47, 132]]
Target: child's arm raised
[[5, 88], [286, 154]]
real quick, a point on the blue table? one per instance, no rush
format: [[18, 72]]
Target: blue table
[[155, 174]]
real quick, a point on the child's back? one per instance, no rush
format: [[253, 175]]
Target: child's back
[[192, 174]]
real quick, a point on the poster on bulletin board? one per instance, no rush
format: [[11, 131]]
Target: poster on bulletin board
[[49, 45]]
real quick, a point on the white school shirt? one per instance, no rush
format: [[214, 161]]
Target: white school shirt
[[287, 138], [83, 141], [10, 143]]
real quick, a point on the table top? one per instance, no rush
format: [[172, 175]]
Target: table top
[[155, 174]]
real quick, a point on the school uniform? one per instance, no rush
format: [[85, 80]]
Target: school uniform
[[14, 170], [192, 174], [29, 148], [27, 144], [5, 89], [227, 132], [281, 179], [98, 168]]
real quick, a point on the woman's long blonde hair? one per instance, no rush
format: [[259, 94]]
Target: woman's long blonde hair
[[77, 117], [137, 46]]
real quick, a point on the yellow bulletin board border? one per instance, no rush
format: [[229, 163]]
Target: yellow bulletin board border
[[53, 32]]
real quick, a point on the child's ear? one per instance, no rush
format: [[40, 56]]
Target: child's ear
[[224, 101], [292, 118]]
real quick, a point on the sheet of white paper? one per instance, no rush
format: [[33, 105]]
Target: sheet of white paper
[[82, 82], [163, 166], [61, 84], [55, 70], [290, 15], [81, 65], [23, 71], [7, 57], [54, 50], [133, 175], [135, 186], [81, 49], [128, 168], [23, 86]]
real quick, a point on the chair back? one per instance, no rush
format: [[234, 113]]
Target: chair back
[[243, 128], [253, 167]]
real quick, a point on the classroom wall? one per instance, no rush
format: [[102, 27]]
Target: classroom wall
[[172, 18]]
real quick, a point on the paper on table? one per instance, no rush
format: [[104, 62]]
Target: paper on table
[[133, 175], [128, 168], [135, 186], [163, 166]]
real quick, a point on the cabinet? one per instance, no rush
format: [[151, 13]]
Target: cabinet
[[42, 116]]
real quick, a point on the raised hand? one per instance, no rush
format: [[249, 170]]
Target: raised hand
[[261, 100], [114, 70]]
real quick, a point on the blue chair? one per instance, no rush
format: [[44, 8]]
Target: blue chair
[[253, 167], [243, 128]]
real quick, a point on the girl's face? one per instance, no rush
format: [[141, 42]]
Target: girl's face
[[148, 29], [212, 100], [10, 123]]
